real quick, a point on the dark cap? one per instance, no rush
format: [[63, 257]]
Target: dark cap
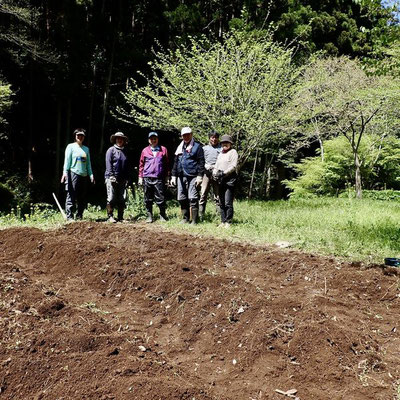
[[226, 138]]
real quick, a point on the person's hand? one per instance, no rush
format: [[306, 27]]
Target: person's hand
[[218, 175], [199, 181], [113, 180], [63, 178], [92, 179], [173, 181], [140, 181]]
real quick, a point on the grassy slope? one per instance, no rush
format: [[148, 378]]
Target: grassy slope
[[367, 230]]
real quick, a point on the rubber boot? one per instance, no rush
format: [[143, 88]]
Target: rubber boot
[[149, 208], [184, 211], [195, 215], [202, 211], [163, 215], [121, 209], [110, 212]]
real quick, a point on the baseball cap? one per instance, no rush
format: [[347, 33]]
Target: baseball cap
[[185, 130], [153, 134]]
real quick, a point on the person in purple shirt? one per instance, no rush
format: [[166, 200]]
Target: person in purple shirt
[[153, 174], [116, 176]]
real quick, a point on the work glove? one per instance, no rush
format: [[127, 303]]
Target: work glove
[[92, 179], [140, 181], [113, 180], [218, 175], [208, 167], [199, 181], [173, 181]]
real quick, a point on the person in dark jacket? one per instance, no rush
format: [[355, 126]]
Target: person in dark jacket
[[187, 174], [153, 174], [116, 176]]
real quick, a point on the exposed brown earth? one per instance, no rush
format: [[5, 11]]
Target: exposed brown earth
[[97, 311]]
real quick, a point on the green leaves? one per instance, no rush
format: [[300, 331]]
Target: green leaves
[[235, 87]]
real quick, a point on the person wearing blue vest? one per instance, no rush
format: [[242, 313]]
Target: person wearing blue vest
[[187, 175], [77, 169]]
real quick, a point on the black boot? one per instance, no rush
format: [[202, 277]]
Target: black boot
[[195, 215], [185, 211], [110, 212], [121, 213], [202, 211], [163, 215]]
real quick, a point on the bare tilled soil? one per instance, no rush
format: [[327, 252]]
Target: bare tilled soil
[[97, 311]]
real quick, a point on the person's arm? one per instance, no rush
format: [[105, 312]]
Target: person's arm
[[200, 162], [166, 163], [67, 163], [233, 159], [89, 167], [141, 163]]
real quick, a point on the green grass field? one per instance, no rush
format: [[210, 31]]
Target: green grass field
[[366, 230]]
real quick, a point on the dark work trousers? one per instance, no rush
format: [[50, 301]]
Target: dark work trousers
[[153, 191], [76, 187], [226, 193]]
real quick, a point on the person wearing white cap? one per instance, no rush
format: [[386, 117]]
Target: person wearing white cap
[[77, 169], [187, 175], [116, 175]]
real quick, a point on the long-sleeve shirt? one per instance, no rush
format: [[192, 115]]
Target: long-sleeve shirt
[[227, 162], [77, 160], [117, 163], [153, 164]]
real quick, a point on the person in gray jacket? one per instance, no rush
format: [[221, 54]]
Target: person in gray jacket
[[211, 152]]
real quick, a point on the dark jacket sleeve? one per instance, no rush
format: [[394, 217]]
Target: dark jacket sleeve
[[200, 161], [174, 171], [109, 167]]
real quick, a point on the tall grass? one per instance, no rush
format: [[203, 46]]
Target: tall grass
[[366, 230]]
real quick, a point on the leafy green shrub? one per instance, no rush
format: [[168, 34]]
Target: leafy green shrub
[[135, 206], [380, 168]]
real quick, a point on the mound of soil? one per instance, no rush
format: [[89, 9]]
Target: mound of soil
[[97, 311]]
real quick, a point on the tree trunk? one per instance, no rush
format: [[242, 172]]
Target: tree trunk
[[30, 122], [321, 147], [357, 166], [58, 142], [107, 92], [252, 175], [92, 96]]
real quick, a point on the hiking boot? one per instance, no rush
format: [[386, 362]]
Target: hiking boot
[[163, 215], [163, 218]]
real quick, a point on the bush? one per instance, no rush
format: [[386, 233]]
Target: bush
[[380, 168]]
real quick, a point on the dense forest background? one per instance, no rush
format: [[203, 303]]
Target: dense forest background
[[64, 64]]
